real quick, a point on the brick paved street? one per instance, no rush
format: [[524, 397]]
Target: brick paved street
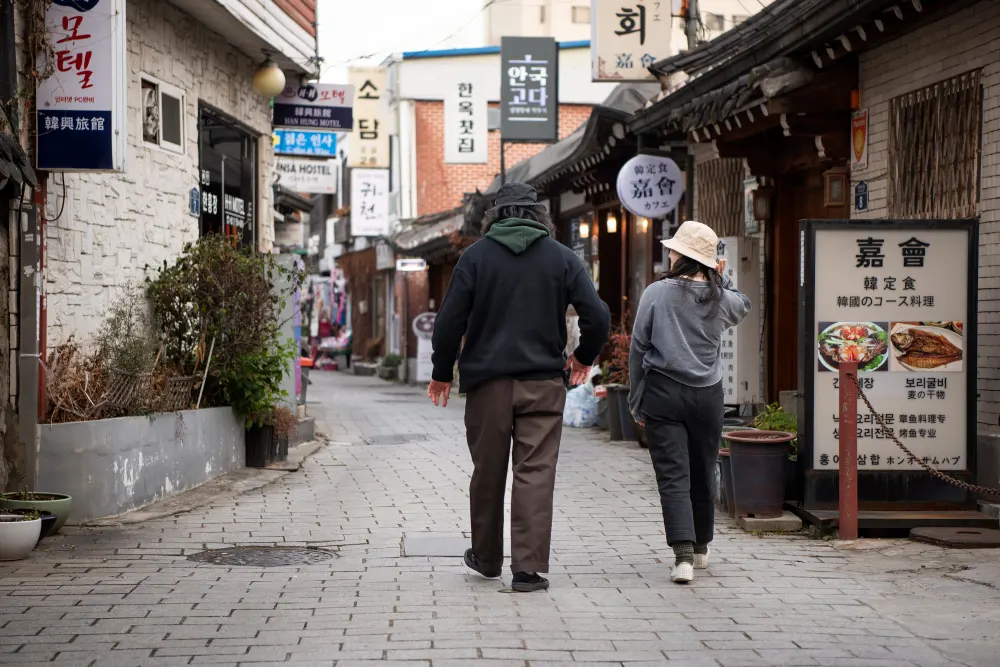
[[128, 595]]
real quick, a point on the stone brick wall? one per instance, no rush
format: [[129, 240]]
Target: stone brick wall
[[105, 228], [440, 186], [958, 43]]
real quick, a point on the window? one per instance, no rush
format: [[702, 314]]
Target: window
[[493, 119], [739, 18], [581, 15], [935, 136], [162, 115], [713, 22], [228, 177]]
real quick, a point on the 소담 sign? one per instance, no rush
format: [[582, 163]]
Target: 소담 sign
[[899, 298]]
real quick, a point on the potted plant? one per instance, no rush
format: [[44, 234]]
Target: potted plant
[[283, 422], [619, 418], [19, 533], [48, 520], [724, 474], [389, 368], [759, 461], [57, 504], [774, 418]]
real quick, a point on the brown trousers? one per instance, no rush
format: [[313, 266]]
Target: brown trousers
[[529, 413]]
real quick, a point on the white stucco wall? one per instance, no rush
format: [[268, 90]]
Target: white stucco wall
[[108, 227], [961, 42]]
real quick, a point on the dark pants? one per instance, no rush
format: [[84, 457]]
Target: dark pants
[[530, 414], [683, 427]]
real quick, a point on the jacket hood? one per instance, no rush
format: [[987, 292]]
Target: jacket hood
[[517, 234]]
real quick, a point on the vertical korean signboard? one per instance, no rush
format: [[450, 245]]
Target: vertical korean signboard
[[627, 37], [466, 131], [369, 202], [898, 298], [529, 89], [81, 106], [728, 250], [369, 146]]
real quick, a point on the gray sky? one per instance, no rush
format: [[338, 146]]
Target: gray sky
[[349, 29]]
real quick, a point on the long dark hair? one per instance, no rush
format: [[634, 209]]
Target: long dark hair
[[534, 212], [687, 268]]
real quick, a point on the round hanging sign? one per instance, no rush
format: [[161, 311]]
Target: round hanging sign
[[423, 325], [650, 185]]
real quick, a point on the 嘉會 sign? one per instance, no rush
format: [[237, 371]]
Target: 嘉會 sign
[[369, 144], [81, 106], [898, 298], [370, 202], [627, 37], [529, 89], [317, 106], [650, 185], [466, 130], [313, 143], [308, 176]]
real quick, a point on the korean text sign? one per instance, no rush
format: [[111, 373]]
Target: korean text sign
[[308, 175], [81, 107], [650, 185], [529, 89], [317, 106], [466, 134], [728, 250], [898, 300], [369, 145], [314, 143], [370, 202], [627, 37]]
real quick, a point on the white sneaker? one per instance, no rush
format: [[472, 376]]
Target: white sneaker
[[682, 573], [701, 560]]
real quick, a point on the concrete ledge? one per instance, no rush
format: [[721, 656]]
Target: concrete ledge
[[786, 523], [112, 466]]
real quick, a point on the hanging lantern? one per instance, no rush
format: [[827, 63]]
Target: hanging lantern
[[269, 80], [612, 224]]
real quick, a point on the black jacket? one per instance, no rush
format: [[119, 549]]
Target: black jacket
[[510, 302]]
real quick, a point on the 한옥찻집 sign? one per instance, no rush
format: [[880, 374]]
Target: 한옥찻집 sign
[[312, 143], [650, 185], [627, 37], [529, 89], [317, 106], [898, 298], [81, 107], [466, 131]]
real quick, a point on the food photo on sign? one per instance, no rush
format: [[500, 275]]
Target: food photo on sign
[[927, 346], [863, 343]]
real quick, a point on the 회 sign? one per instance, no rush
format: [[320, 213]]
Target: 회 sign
[[317, 106], [898, 298], [311, 143], [650, 185], [370, 202], [369, 145], [81, 107], [466, 131], [627, 37], [308, 176], [529, 89]]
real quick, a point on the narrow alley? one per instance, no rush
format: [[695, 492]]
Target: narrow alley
[[384, 509]]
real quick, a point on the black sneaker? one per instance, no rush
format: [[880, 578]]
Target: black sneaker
[[479, 567], [529, 582]]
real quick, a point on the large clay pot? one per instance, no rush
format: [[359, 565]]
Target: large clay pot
[[759, 460]]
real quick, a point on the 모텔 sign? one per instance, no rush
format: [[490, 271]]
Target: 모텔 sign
[[529, 89], [317, 106], [898, 298], [81, 108]]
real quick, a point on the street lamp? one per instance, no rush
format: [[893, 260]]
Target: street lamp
[[269, 80]]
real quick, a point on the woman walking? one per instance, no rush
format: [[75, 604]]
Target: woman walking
[[676, 371]]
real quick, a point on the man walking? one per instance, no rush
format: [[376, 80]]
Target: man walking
[[508, 297]]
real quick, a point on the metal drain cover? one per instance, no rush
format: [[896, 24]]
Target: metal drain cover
[[395, 439], [958, 538], [263, 556]]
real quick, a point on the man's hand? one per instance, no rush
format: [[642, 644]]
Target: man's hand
[[721, 267], [439, 392], [578, 373]]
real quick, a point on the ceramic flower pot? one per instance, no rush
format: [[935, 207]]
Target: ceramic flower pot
[[18, 537], [759, 460], [48, 520], [58, 504]]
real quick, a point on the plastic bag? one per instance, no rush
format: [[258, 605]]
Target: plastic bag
[[581, 407]]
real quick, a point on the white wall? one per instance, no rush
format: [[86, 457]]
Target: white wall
[[534, 18], [108, 227]]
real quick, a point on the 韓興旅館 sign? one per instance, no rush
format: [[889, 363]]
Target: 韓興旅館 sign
[[315, 106], [899, 299], [81, 107]]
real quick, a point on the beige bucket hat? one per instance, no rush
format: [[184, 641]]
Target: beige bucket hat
[[695, 240]]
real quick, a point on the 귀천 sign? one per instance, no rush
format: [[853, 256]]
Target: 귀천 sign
[[81, 108], [308, 176], [370, 202], [898, 298], [317, 106], [314, 143], [529, 89], [370, 141], [650, 186], [627, 37], [466, 130]]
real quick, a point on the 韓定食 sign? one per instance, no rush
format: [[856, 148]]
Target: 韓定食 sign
[[529, 89], [369, 145], [626, 38], [466, 130], [313, 143], [308, 176], [650, 185], [317, 106], [370, 202], [81, 106]]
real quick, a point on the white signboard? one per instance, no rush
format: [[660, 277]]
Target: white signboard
[[370, 202], [307, 175], [895, 301], [729, 250], [81, 106], [627, 37], [466, 131], [385, 258], [423, 329], [650, 186], [369, 144]]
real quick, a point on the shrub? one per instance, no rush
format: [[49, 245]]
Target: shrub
[[392, 361]]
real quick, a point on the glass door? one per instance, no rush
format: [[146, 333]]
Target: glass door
[[228, 166]]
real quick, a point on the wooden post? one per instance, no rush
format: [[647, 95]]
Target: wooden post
[[848, 466]]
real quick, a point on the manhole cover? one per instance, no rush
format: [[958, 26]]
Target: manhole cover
[[958, 538], [263, 556], [395, 439]]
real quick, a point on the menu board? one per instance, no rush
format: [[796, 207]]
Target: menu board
[[895, 300], [728, 250]]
